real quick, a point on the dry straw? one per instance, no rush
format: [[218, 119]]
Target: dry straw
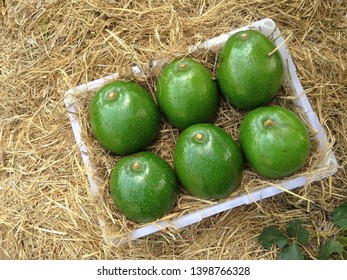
[[48, 47]]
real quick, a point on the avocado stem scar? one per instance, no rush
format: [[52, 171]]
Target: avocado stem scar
[[243, 36], [136, 166], [111, 95], [182, 66], [268, 123], [199, 136]]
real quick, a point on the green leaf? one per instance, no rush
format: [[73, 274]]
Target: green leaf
[[340, 216], [296, 229], [291, 252], [343, 240], [272, 235], [331, 246]]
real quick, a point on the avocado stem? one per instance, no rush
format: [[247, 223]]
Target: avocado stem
[[182, 66], [268, 123], [243, 36], [136, 166], [111, 95], [199, 136]]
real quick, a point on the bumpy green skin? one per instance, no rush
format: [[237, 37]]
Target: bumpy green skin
[[275, 150], [127, 123], [246, 74], [147, 193], [187, 95], [210, 168]]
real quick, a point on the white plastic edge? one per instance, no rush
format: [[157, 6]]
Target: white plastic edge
[[268, 27]]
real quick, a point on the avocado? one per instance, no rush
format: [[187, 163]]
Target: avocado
[[187, 93], [143, 187], [249, 75], [124, 118], [208, 161], [275, 141]]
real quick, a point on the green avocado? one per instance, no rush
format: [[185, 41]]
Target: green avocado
[[248, 74], [143, 187], [208, 162], [187, 93], [275, 141], [123, 117]]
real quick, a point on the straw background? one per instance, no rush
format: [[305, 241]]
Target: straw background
[[47, 47]]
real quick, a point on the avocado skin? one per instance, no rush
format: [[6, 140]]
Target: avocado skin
[[145, 194], [276, 151], [211, 168], [126, 124], [187, 96], [247, 76]]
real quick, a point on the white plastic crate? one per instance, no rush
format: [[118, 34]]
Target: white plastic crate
[[327, 167]]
